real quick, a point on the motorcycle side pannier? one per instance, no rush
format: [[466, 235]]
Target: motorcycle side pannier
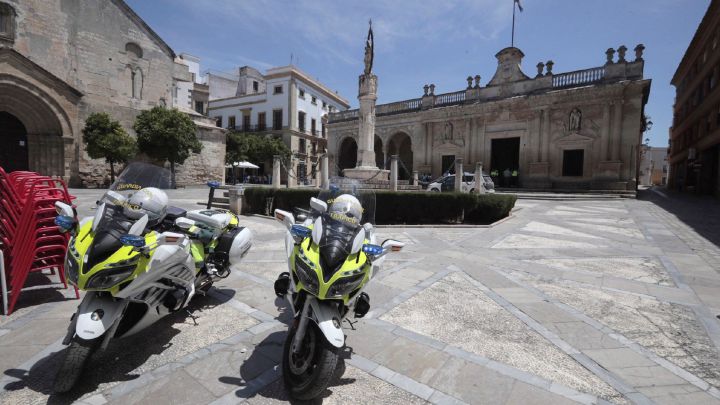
[[232, 246]]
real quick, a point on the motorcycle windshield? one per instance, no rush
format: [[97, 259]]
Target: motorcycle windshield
[[350, 205], [111, 219], [139, 175]]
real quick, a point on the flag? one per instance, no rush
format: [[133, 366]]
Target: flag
[[519, 5]]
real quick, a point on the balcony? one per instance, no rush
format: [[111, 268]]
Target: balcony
[[249, 128]]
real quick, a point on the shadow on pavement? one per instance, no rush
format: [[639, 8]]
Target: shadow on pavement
[[701, 213], [116, 363], [267, 356], [41, 288]]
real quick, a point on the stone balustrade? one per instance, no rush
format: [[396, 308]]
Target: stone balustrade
[[612, 71], [578, 78]]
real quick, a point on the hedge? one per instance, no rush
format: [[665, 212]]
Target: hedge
[[398, 207]]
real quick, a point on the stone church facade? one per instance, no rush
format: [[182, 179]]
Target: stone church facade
[[575, 130], [60, 61]]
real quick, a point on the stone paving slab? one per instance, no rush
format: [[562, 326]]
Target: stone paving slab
[[583, 301]]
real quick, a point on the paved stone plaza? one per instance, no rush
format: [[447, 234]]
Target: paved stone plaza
[[588, 301]]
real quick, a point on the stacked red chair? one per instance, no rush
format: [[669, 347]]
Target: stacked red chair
[[31, 241]]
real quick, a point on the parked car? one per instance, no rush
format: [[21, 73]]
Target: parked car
[[447, 183]]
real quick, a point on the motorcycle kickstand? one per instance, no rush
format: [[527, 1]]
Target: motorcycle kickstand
[[193, 317], [351, 323]]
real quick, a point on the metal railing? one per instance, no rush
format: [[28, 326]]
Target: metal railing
[[578, 77]]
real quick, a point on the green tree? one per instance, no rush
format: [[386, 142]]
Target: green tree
[[167, 135], [105, 138], [255, 148]]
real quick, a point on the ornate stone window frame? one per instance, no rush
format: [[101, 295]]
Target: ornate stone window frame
[[8, 12]]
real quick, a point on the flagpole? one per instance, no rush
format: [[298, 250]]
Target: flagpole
[[512, 40]]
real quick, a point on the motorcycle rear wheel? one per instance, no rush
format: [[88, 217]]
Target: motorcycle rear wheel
[[307, 374], [76, 355]]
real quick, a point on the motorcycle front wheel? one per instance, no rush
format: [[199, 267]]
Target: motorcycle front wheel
[[76, 355], [308, 373]]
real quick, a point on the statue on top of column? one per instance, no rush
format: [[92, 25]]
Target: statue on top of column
[[369, 50]]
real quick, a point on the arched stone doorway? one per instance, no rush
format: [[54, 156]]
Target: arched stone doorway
[[379, 153], [30, 116], [13, 143], [347, 156], [400, 144]]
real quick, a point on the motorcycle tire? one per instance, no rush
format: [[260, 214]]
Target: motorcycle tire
[[312, 383], [76, 355]]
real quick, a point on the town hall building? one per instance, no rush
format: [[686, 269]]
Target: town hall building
[[575, 130]]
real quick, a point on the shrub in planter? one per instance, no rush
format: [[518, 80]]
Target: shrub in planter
[[399, 207]]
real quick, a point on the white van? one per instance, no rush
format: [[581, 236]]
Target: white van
[[447, 183]]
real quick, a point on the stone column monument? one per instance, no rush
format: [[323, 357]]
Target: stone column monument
[[367, 95]]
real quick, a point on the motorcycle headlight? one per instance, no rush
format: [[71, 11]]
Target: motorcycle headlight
[[110, 276], [345, 285], [307, 276]]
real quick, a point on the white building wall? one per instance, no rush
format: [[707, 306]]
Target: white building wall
[[268, 102]]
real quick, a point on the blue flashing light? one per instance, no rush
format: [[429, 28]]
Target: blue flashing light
[[132, 240], [302, 231], [334, 188], [373, 250], [64, 222], [213, 184]]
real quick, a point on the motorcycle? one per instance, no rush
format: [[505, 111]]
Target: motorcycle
[[139, 260], [332, 255]]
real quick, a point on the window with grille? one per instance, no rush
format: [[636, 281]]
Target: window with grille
[[277, 120], [301, 121], [261, 121]]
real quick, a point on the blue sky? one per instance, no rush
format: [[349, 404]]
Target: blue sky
[[419, 41]]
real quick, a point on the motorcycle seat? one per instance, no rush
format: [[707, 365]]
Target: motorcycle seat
[[174, 213]]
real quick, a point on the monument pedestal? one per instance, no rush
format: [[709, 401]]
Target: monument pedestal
[[366, 173]]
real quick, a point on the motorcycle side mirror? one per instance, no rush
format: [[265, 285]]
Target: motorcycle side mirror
[[98, 216], [393, 245], [318, 205], [132, 240], [139, 226], [64, 209], [285, 218], [114, 198]]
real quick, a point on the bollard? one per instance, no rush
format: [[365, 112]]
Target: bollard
[[479, 180], [458, 175], [292, 180], [415, 178], [235, 195], [276, 172], [325, 172], [394, 172]]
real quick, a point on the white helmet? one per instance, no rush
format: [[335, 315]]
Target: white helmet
[[346, 208], [150, 201]]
